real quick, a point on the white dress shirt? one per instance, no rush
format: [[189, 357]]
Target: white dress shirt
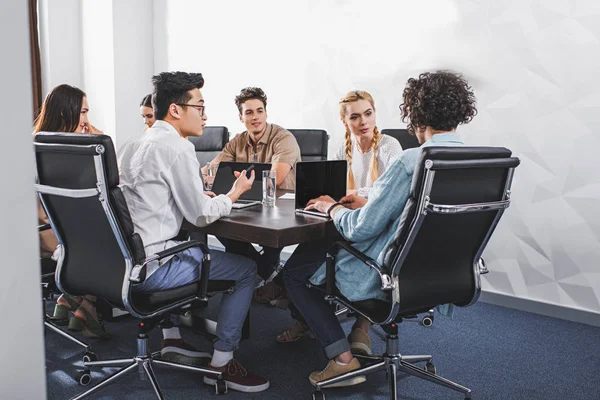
[[160, 178]]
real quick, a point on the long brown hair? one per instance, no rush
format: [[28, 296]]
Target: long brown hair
[[351, 97], [61, 110]]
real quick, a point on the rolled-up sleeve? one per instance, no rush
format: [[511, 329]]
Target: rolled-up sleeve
[[286, 150]]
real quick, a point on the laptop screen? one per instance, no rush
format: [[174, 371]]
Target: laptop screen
[[317, 178], [225, 178]]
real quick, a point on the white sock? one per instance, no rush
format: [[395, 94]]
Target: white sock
[[340, 363], [171, 333], [221, 358]]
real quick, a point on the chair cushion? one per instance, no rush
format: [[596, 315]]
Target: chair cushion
[[148, 302]]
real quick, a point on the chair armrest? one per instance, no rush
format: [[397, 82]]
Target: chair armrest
[[483, 269], [138, 274], [44, 227], [386, 280]]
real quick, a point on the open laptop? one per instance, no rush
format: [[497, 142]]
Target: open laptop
[[317, 178], [224, 180]]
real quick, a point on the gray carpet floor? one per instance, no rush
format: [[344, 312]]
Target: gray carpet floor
[[497, 352]]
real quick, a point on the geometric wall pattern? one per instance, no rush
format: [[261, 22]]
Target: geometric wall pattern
[[534, 66]]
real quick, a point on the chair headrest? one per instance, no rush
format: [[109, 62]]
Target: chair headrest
[[214, 138], [84, 139], [454, 153]]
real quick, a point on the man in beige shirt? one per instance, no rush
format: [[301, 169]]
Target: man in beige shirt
[[262, 142]]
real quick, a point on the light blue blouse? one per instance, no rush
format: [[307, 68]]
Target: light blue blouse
[[372, 227]]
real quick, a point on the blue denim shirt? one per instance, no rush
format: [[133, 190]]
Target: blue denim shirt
[[372, 227]]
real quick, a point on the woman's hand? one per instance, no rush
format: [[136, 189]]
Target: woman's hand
[[89, 128]]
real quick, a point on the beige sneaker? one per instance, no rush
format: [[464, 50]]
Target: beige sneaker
[[360, 342], [334, 369]]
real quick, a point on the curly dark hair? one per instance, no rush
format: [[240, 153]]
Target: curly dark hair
[[250, 93], [442, 100], [173, 87]]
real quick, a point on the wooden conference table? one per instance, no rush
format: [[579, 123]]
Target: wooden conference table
[[275, 227]]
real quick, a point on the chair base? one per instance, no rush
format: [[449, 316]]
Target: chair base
[[393, 362], [143, 362], [53, 327]]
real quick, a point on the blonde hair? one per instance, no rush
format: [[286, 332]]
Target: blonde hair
[[351, 97]]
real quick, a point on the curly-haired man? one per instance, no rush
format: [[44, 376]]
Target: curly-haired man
[[434, 105]]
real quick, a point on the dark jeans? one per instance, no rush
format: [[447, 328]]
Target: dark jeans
[[310, 302], [267, 261]]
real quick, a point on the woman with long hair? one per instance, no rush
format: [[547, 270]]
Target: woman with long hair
[[65, 109], [366, 150], [368, 153]]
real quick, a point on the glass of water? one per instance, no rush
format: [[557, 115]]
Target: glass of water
[[211, 171], [269, 188]]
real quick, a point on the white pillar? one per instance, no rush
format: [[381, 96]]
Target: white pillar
[[22, 351]]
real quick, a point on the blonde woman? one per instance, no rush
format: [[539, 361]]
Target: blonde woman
[[368, 152]]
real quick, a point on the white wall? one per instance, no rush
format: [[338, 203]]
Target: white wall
[[22, 351], [533, 66], [60, 43], [106, 49]]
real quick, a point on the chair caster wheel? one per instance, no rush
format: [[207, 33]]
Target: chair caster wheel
[[220, 386], [429, 367], [90, 356], [318, 395], [427, 320], [84, 377]]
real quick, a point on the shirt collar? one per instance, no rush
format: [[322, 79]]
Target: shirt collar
[[450, 137], [164, 125], [265, 138]]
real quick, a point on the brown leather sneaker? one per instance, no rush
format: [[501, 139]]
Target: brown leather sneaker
[[360, 342], [178, 351], [239, 378], [334, 369]]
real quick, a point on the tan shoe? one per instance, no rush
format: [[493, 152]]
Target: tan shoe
[[360, 342], [334, 369]]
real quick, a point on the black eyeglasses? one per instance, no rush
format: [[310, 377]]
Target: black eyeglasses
[[201, 109]]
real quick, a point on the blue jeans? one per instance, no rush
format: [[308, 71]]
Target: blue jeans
[[310, 302], [184, 268], [267, 261]]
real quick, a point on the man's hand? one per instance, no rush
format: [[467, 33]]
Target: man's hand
[[321, 204], [210, 194], [241, 185], [353, 201]]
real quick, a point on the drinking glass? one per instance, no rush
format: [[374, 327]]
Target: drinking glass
[[269, 188], [211, 171]]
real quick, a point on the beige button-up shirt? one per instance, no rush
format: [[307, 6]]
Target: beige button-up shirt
[[277, 145]]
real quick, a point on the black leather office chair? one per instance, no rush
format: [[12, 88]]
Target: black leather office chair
[[77, 180], [457, 197], [312, 143], [407, 141], [210, 144]]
